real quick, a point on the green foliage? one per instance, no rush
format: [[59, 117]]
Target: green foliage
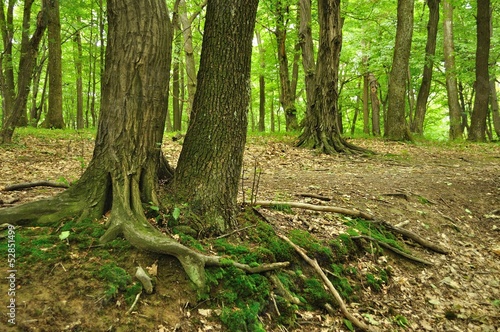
[[376, 231], [242, 319], [377, 281], [400, 320]]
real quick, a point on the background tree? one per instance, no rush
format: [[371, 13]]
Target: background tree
[[396, 127], [417, 124], [14, 104], [456, 128], [321, 128], [478, 118], [54, 116], [212, 153]]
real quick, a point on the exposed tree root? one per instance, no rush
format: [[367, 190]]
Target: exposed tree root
[[395, 250], [330, 286], [27, 185]]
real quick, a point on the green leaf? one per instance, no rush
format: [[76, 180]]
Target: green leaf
[[64, 235], [176, 213], [349, 325]]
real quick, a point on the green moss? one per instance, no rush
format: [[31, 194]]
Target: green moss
[[116, 278], [315, 294], [376, 231], [242, 319], [131, 292], [312, 245]]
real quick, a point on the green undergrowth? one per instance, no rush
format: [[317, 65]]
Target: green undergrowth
[[245, 297]]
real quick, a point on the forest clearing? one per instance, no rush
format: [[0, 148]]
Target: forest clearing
[[448, 193]]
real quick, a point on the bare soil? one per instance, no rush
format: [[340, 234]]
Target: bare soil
[[447, 193]]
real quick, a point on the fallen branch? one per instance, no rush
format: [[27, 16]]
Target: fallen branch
[[133, 304], [393, 249], [320, 197], [336, 295], [321, 208], [27, 185], [415, 237]]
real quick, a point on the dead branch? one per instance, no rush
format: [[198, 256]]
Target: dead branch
[[320, 197], [283, 291], [415, 237], [334, 209], [27, 185], [395, 250], [336, 295]]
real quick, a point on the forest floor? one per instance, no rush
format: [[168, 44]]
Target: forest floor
[[447, 193]]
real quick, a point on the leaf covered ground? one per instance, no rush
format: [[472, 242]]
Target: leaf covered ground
[[447, 193]]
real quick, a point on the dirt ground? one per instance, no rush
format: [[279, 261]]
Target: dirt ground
[[447, 193]]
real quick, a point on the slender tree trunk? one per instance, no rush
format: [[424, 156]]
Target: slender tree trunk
[[321, 126], [456, 128], [307, 46], [176, 102], [187, 33], [494, 107], [26, 65], [480, 111], [366, 110], [286, 97], [7, 65], [375, 102], [54, 116], [262, 84], [79, 80], [218, 124], [417, 125], [396, 125]]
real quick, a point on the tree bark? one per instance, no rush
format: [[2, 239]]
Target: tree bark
[[417, 125], [396, 126], [479, 113], [321, 127], [176, 98], [26, 64], [307, 47], [209, 167], [375, 102], [54, 116], [262, 84], [456, 128], [287, 99], [79, 79]]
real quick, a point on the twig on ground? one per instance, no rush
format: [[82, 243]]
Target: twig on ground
[[336, 295], [235, 231], [334, 209], [320, 197], [133, 304], [395, 250]]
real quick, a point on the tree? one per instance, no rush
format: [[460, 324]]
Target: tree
[[396, 127], [15, 104], [456, 128], [54, 116], [128, 163], [212, 153], [321, 126], [307, 47], [417, 125], [480, 111]]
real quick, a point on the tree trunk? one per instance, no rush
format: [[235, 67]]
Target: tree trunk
[[79, 79], [321, 127], [7, 65], [209, 166], [375, 102], [176, 102], [456, 128], [396, 125], [478, 118], [262, 84], [54, 116], [26, 64], [287, 99], [307, 46], [494, 107], [189, 53], [366, 110], [417, 125]]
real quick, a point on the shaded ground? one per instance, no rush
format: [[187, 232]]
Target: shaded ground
[[449, 194]]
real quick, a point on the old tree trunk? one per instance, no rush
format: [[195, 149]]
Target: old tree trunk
[[321, 125], [127, 163], [210, 188]]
